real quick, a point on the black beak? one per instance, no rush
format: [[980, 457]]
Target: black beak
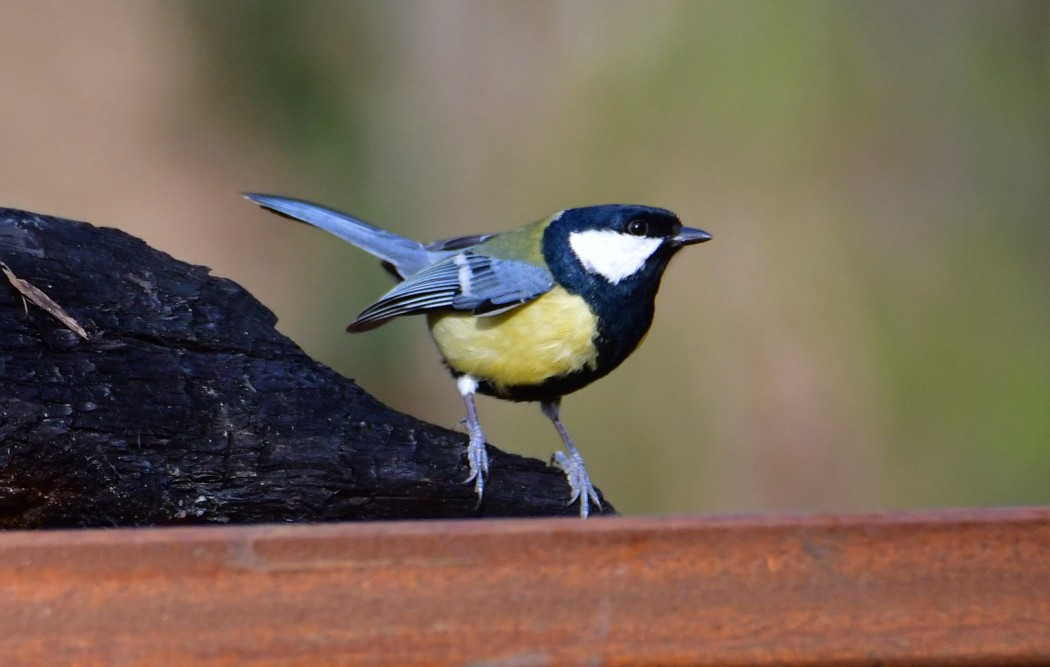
[[689, 236]]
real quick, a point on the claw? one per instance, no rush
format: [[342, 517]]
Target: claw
[[478, 459], [572, 465], [579, 481], [477, 456]]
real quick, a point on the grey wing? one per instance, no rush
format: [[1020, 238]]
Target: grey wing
[[466, 281]]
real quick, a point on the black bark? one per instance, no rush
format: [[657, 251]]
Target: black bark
[[185, 405]]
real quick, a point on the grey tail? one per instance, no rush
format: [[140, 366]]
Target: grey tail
[[404, 256]]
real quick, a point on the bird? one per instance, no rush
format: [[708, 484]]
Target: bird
[[530, 314]]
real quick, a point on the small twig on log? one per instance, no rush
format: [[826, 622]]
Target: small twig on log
[[42, 301]]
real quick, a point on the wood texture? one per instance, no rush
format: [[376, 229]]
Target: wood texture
[[968, 587], [181, 404]]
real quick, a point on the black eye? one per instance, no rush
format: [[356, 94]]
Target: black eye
[[636, 228]]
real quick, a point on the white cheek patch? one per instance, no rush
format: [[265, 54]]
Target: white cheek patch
[[612, 255]]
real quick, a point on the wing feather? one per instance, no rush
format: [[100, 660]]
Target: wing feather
[[466, 281]]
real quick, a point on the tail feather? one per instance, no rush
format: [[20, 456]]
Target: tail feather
[[404, 255]]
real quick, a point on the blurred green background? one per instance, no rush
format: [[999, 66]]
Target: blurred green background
[[870, 328]]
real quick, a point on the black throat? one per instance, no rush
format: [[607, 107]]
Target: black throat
[[624, 309]]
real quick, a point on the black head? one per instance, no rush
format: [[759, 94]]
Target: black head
[[614, 256], [616, 247]]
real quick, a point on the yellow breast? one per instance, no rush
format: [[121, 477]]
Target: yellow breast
[[546, 338]]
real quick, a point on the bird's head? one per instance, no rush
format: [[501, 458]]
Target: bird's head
[[620, 245]]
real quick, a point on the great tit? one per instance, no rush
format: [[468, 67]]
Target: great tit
[[527, 315]]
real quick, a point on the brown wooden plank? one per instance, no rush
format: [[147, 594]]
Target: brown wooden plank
[[960, 586]]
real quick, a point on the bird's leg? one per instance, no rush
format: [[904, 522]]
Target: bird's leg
[[477, 456], [572, 464]]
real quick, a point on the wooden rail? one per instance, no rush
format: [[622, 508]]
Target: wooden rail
[[927, 588]]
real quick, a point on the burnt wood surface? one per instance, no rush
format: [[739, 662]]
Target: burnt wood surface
[[184, 405]]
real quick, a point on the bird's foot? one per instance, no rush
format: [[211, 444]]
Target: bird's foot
[[477, 456], [478, 459], [579, 481]]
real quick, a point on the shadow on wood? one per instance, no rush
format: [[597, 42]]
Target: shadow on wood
[[185, 405]]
